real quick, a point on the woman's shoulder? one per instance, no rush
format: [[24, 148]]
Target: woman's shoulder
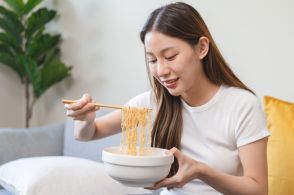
[[144, 99], [240, 96]]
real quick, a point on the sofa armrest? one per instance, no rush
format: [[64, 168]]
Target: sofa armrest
[[37, 141]]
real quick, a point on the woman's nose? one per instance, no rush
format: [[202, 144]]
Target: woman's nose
[[162, 69]]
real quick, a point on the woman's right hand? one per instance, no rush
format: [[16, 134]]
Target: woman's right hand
[[83, 110]]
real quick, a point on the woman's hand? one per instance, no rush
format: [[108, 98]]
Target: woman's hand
[[189, 169], [83, 110]]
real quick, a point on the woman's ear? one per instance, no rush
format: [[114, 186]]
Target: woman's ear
[[202, 47]]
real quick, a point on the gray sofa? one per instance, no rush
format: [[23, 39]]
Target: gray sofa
[[52, 140]]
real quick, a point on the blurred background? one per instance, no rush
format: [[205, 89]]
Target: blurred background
[[101, 42]]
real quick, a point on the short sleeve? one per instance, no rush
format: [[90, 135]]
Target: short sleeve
[[141, 100], [251, 122]]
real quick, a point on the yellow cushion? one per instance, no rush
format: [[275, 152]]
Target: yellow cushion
[[280, 122]]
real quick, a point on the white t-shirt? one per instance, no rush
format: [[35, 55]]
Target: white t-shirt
[[213, 132]]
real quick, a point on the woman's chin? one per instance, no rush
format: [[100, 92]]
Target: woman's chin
[[174, 92]]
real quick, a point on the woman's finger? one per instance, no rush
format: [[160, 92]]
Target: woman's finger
[[87, 97], [177, 153], [76, 106], [167, 182], [87, 108], [84, 100]]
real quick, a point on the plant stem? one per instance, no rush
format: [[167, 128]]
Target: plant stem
[[31, 107]]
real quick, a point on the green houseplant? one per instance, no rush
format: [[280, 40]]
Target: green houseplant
[[31, 52]]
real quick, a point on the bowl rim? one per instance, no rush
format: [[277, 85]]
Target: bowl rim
[[130, 160]]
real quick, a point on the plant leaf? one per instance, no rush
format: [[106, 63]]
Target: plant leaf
[[40, 45], [43, 78], [10, 28], [16, 5], [5, 49], [12, 17], [11, 42], [34, 74], [37, 21], [30, 5], [53, 72], [10, 23], [52, 53], [8, 60]]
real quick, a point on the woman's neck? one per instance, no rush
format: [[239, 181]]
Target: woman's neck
[[201, 93]]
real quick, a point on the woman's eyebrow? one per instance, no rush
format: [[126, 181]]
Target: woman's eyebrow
[[149, 54], [162, 51]]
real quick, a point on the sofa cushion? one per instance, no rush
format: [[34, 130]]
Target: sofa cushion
[[36, 141], [280, 122], [59, 176], [91, 149]]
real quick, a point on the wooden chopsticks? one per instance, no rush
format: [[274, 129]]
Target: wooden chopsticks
[[100, 105]]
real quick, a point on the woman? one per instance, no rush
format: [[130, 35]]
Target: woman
[[211, 122]]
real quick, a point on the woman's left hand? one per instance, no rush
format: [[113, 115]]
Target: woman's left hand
[[189, 169]]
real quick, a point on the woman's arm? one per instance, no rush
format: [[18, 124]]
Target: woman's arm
[[108, 124], [253, 181]]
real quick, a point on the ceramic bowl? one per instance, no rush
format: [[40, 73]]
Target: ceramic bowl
[[137, 171]]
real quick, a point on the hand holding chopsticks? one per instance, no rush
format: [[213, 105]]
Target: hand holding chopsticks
[[83, 109]]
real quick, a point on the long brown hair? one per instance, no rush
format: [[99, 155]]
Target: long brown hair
[[182, 21]]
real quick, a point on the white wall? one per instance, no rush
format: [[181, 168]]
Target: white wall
[[101, 42]]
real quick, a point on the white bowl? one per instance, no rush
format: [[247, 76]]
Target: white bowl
[[137, 171]]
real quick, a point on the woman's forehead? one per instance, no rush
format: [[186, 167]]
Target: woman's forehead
[[156, 42]]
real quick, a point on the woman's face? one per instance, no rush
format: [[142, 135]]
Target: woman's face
[[175, 63]]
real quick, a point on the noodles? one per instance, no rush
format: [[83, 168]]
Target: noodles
[[135, 122]]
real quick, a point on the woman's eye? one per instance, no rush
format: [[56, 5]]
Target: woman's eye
[[152, 61], [170, 58]]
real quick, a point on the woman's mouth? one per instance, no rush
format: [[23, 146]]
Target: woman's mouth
[[170, 83]]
